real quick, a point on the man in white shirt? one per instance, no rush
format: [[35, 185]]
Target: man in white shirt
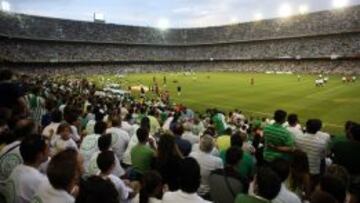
[[293, 126], [106, 164], [51, 129], [90, 126], [314, 143], [282, 168], [64, 171], [207, 162], [120, 138], [89, 144], [188, 134], [26, 178], [189, 181]]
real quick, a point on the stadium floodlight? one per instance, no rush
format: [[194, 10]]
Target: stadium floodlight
[[163, 24], [99, 17], [258, 16], [340, 3], [303, 9], [234, 20], [5, 6], [285, 10]]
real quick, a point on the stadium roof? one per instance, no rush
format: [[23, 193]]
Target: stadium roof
[[171, 13]]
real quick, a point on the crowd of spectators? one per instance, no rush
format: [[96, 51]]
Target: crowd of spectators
[[59, 142], [319, 23]]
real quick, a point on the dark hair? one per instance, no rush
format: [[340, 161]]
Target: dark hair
[[292, 119], [333, 186], [104, 142], [56, 116], [142, 134], [279, 116], [149, 183], [355, 131], [105, 160], [281, 167], [167, 148], [189, 175], [96, 189], [145, 123], [63, 169], [98, 115], [268, 183], [227, 131], [339, 172], [100, 127], [313, 126], [6, 74], [116, 121], [31, 146], [236, 140], [178, 129], [233, 156], [322, 197], [24, 128]]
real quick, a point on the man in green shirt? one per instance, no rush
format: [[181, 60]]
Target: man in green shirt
[[275, 136], [267, 186], [142, 155]]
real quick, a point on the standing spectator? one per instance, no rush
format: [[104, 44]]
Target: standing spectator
[[314, 143], [184, 145], [294, 127], [120, 138], [151, 189], [62, 140], [207, 163], [189, 183], [51, 129], [277, 135], [188, 134]]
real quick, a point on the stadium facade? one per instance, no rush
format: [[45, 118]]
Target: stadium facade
[[323, 41]]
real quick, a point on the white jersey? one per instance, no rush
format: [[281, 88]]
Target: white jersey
[[120, 186], [93, 168], [88, 147], [58, 144], [23, 183], [119, 141], [47, 193], [10, 157]]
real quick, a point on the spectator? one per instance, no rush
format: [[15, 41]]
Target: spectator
[[267, 186], [334, 186], [25, 179], [184, 145], [277, 135], [188, 134], [207, 163], [294, 127], [151, 189], [51, 129], [120, 138], [189, 183], [223, 141], [322, 197], [96, 189], [62, 140], [64, 172]]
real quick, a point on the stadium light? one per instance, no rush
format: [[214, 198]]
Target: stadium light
[[258, 16], [340, 3], [163, 24], [285, 10], [303, 9], [5, 6], [234, 20], [99, 17]]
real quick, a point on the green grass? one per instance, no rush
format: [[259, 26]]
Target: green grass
[[333, 104]]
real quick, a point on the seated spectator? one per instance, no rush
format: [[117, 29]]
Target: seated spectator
[[334, 186], [151, 189], [223, 141], [282, 168], [207, 163], [26, 178], [62, 140], [344, 151], [51, 129], [299, 178], [339, 172], [188, 134], [142, 155], [106, 164], [120, 138], [96, 189], [314, 143], [246, 166], [64, 172], [276, 135], [104, 144], [189, 183], [267, 186], [226, 183], [168, 160], [184, 145], [89, 144], [322, 197]]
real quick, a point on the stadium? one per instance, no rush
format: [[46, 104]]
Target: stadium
[[135, 102]]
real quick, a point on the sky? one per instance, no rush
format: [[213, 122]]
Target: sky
[[172, 13]]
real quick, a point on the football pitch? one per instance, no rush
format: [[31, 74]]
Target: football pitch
[[334, 104]]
